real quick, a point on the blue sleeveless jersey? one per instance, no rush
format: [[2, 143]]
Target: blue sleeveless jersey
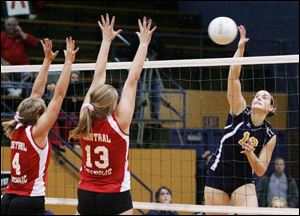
[[227, 161]]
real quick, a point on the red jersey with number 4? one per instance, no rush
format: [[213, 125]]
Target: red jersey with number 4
[[105, 158], [29, 164]]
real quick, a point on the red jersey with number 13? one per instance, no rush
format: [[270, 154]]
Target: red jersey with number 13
[[105, 158]]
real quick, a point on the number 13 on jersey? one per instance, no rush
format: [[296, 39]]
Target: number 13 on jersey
[[103, 161]]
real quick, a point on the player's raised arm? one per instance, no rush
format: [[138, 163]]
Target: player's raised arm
[[47, 119], [235, 98], [125, 108], [38, 88], [108, 35]]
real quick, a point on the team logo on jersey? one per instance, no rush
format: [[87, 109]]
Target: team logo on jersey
[[246, 137]]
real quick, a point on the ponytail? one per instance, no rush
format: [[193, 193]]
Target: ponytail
[[85, 125], [8, 127], [274, 110], [27, 113], [102, 102]]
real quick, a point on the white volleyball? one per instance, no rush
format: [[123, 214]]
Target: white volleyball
[[222, 30]]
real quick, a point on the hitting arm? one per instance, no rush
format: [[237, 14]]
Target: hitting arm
[[235, 98]]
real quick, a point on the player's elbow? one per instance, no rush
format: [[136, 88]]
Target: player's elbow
[[260, 172]]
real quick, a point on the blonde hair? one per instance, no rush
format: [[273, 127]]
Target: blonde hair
[[280, 199], [270, 114], [103, 99], [29, 110]]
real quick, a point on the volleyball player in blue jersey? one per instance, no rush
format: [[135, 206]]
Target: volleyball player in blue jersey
[[246, 146]]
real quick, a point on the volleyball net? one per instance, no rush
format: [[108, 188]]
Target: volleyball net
[[181, 110]]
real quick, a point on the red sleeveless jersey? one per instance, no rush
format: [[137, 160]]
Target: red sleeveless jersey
[[105, 158], [29, 164]]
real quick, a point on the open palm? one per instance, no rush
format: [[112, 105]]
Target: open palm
[[47, 47], [107, 28]]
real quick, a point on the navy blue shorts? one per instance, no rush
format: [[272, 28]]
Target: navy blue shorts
[[93, 203], [12, 204], [228, 184]]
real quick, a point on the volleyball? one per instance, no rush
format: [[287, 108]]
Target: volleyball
[[222, 30]]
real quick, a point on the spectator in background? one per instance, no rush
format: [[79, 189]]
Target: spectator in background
[[14, 43], [278, 202], [163, 195], [72, 89], [279, 184]]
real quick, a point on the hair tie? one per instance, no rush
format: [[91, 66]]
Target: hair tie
[[89, 106], [17, 117]]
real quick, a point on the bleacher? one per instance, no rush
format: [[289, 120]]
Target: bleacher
[[183, 37]]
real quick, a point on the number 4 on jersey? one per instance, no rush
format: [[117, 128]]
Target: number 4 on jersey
[[16, 164]]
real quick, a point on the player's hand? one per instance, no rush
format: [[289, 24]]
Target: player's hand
[[247, 147], [47, 47], [69, 52], [243, 38], [107, 28], [146, 32]]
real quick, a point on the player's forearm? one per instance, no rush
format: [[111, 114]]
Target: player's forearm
[[235, 70], [102, 60], [256, 164], [63, 81], [39, 85], [239, 52], [138, 62]]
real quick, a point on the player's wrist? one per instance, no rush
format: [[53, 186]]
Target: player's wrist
[[68, 62], [144, 44], [47, 60], [250, 154], [106, 41]]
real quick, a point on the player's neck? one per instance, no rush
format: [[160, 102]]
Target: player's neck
[[257, 118]]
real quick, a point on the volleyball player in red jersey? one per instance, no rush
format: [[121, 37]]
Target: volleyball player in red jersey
[[28, 132], [103, 129]]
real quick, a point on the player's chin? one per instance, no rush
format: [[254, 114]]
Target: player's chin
[[258, 108]]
